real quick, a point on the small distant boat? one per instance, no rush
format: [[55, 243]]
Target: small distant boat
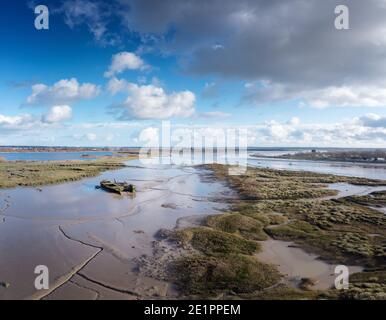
[[117, 187]]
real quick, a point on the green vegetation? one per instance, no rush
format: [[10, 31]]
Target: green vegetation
[[208, 276], [224, 262], [365, 286], [376, 199], [339, 230], [291, 206], [238, 224], [38, 173], [212, 242]]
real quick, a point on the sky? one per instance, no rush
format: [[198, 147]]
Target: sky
[[109, 73]]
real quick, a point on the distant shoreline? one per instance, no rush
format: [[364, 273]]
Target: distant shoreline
[[375, 156]]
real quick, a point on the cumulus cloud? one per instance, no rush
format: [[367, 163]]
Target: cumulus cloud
[[115, 86], [152, 102], [372, 120], [17, 122], [28, 122], [365, 131], [344, 96], [58, 114], [283, 42], [293, 45], [125, 61], [294, 132], [62, 92]]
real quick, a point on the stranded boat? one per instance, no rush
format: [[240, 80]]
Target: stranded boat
[[116, 187]]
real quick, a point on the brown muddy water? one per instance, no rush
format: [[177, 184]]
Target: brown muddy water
[[295, 264], [90, 239]]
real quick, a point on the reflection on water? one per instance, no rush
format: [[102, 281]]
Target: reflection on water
[[371, 171], [346, 190]]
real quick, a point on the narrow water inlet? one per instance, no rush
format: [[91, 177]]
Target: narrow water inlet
[[294, 263]]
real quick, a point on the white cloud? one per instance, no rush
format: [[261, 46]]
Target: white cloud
[[331, 96], [215, 114], [62, 92], [366, 131], [117, 85], [125, 61], [372, 120], [277, 131], [58, 114], [348, 96], [16, 122], [152, 102]]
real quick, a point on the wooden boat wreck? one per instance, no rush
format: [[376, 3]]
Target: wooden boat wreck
[[117, 187]]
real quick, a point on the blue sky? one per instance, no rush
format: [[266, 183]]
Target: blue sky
[[214, 66]]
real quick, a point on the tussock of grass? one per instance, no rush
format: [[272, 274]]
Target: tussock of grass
[[38, 173], [238, 224], [359, 244], [294, 230], [212, 242], [376, 199], [206, 276], [366, 286]]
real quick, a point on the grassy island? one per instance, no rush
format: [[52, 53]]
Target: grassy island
[[39, 173]]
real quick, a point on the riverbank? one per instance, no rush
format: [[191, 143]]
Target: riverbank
[[39, 173], [351, 156], [226, 256]]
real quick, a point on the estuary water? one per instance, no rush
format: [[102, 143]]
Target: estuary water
[[90, 239]]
